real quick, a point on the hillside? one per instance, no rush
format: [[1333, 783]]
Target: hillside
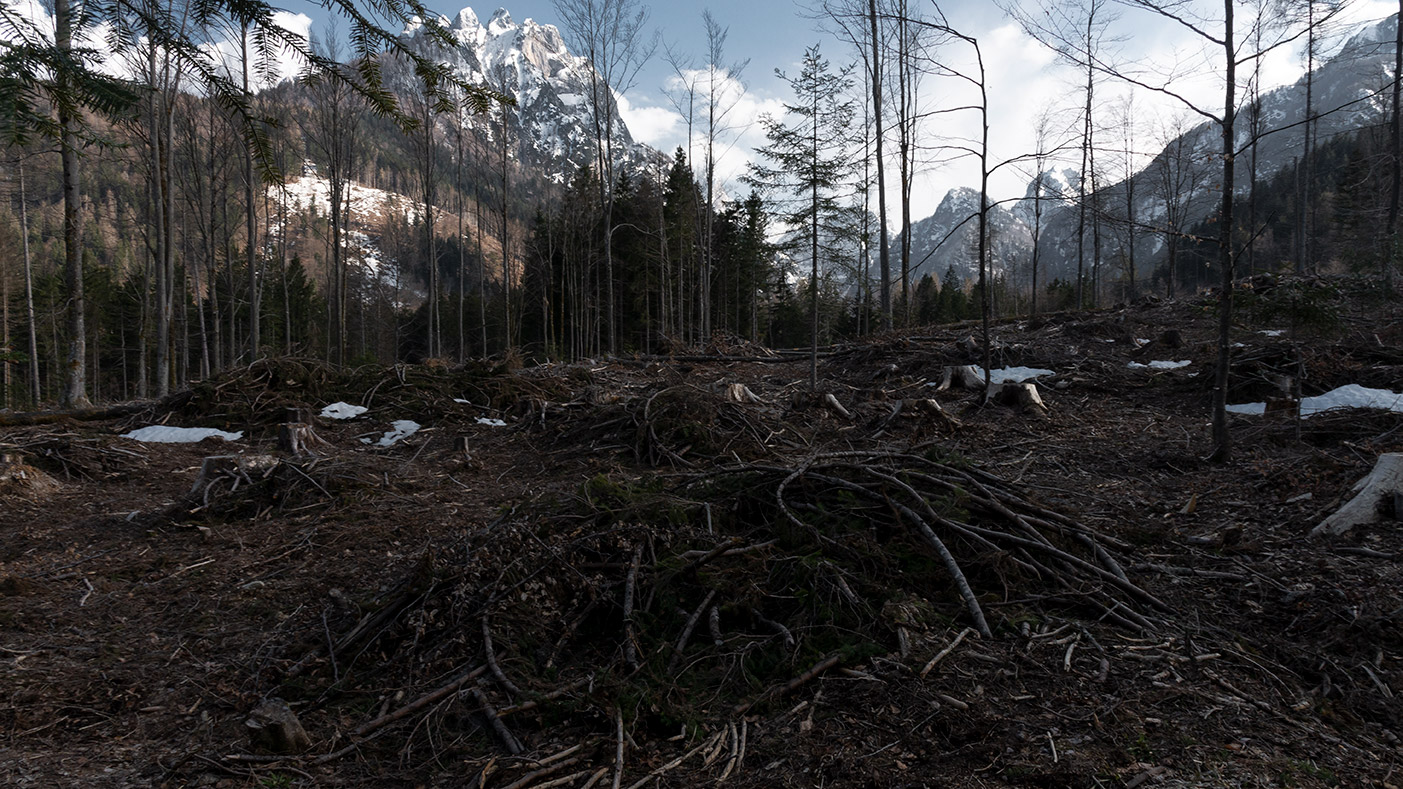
[[1348, 97], [573, 568]]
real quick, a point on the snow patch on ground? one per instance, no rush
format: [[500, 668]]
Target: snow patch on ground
[[161, 434], [482, 420], [1272, 332], [1347, 396], [1161, 365], [1016, 375], [339, 410], [399, 429]]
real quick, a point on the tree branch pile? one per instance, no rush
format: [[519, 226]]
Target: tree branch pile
[[703, 599]]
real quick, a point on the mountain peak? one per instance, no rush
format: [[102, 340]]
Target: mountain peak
[[501, 22], [466, 20]]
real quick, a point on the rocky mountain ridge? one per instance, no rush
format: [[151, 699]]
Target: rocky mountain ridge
[[1348, 93]]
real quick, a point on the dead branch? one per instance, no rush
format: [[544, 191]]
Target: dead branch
[[791, 686], [681, 646], [499, 728], [630, 586], [490, 654]]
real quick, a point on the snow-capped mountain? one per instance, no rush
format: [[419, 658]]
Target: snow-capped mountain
[[949, 237], [1182, 182], [551, 127]]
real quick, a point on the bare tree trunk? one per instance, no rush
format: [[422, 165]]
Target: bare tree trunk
[[1396, 154], [1222, 438], [883, 253], [157, 223], [5, 338], [1086, 156], [510, 337], [481, 275], [462, 246], [29, 292], [254, 340], [74, 393]]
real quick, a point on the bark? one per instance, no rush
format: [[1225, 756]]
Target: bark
[[1394, 144], [74, 393], [29, 292], [1222, 437], [254, 338], [884, 253]]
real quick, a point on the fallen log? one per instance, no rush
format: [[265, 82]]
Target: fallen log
[[1382, 485], [27, 418]]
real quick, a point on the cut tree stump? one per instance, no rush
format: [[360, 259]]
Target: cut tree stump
[[298, 414], [20, 478], [274, 727], [964, 376], [1382, 485], [740, 393], [1018, 395], [296, 438], [931, 408]]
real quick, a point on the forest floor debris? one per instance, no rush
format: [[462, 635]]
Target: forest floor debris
[[624, 567]]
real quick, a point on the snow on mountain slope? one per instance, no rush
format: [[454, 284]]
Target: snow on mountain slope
[[551, 128]]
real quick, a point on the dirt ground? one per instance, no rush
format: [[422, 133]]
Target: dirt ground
[[644, 567]]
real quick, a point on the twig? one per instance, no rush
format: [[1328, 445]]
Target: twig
[[619, 746], [630, 648], [793, 685], [687, 632], [735, 752], [670, 765], [552, 696], [504, 734], [420, 703], [946, 651], [544, 771], [491, 656]]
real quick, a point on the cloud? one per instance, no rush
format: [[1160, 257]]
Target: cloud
[[659, 122], [655, 126]]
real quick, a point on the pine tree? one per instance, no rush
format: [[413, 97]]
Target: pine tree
[[808, 167]]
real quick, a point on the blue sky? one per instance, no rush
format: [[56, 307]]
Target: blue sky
[[1025, 78]]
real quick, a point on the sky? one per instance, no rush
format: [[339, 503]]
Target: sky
[[1026, 80]]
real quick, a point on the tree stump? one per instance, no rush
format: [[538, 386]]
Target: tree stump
[[932, 408], [1382, 486], [274, 727], [296, 438], [1020, 395], [740, 393], [20, 478], [297, 415], [965, 376]]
